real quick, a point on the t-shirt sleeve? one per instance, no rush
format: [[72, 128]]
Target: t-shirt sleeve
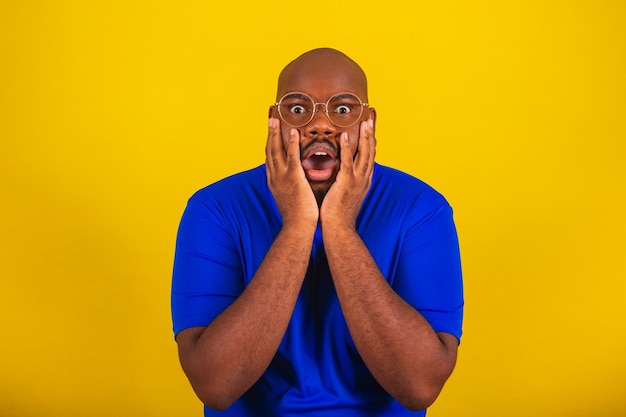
[[207, 275], [429, 270]]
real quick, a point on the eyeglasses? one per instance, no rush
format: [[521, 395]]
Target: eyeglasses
[[342, 109]]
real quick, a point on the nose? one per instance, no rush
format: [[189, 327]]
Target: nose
[[320, 124]]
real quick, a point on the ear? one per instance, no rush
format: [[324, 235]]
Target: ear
[[272, 112], [373, 116], [372, 113]]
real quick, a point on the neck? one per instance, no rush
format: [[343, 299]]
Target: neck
[[320, 193]]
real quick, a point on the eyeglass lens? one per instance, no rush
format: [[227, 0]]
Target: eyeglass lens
[[298, 109]]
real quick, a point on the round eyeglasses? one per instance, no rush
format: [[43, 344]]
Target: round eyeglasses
[[342, 109]]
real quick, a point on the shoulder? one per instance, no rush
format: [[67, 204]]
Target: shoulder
[[233, 188], [398, 187], [238, 202]]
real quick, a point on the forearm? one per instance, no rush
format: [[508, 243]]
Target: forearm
[[226, 358], [397, 344]]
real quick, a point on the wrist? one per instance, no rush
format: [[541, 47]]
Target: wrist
[[303, 227], [338, 225]]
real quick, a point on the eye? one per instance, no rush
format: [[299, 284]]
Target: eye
[[297, 109], [343, 109]]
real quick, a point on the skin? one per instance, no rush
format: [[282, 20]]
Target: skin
[[322, 73], [409, 360]]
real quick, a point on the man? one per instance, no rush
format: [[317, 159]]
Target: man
[[322, 283]]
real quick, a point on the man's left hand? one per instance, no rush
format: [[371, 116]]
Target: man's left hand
[[344, 199]]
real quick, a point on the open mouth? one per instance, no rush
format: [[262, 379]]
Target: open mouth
[[319, 161], [319, 164]]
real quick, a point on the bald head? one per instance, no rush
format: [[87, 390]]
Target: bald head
[[323, 69], [322, 75]]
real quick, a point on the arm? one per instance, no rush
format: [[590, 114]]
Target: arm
[[225, 358], [397, 344]]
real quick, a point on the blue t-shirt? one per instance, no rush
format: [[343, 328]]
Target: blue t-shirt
[[224, 234]]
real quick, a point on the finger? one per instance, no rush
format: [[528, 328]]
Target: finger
[[364, 157], [274, 152], [293, 149], [372, 138], [372, 143], [347, 162]]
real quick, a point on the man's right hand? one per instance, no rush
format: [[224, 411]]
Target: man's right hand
[[286, 179]]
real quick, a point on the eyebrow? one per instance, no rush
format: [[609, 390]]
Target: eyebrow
[[346, 95], [301, 96]]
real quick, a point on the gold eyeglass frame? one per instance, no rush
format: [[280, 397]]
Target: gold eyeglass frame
[[315, 107]]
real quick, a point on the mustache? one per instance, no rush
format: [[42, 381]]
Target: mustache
[[317, 140]]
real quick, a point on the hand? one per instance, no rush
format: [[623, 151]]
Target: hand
[[286, 178], [345, 197]]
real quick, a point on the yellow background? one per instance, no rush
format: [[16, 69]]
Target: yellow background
[[113, 113]]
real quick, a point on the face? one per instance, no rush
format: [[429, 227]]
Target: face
[[320, 77]]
